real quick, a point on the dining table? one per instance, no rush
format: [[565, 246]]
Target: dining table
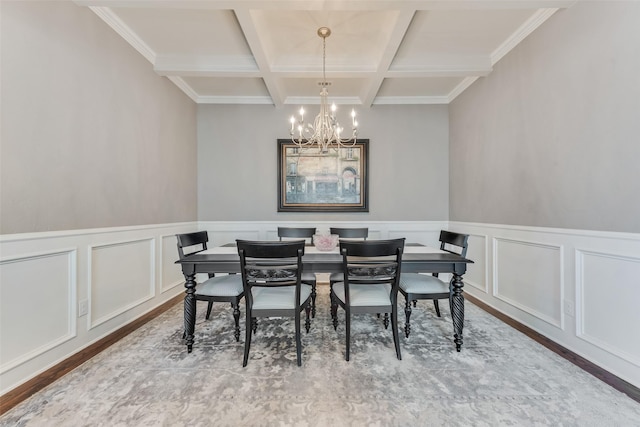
[[416, 258]]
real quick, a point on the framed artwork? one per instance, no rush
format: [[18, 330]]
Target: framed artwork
[[311, 181]]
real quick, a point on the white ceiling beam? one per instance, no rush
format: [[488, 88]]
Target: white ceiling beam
[[253, 40], [438, 65], [206, 65], [393, 44]]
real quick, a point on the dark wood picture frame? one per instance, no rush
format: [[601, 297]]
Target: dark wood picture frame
[[311, 181]]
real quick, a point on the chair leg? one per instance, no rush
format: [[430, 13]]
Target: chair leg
[[247, 340], [394, 326], [437, 306], [347, 322], [254, 324], [385, 321], [298, 340], [334, 312], [407, 313], [236, 317], [209, 307], [307, 322], [313, 299]]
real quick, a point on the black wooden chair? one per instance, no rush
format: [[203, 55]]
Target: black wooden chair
[[415, 286], [286, 233], [357, 233], [272, 280], [371, 280], [216, 288]]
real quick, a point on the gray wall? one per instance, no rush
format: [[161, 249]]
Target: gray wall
[[552, 136], [91, 136], [237, 163]]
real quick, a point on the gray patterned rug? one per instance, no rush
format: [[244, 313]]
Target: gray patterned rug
[[501, 378]]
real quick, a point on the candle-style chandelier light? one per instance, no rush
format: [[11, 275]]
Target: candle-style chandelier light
[[325, 129]]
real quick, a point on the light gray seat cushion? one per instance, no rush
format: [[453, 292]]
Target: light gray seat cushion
[[278, 298], [365, 295], [221, 286], [416, 283]]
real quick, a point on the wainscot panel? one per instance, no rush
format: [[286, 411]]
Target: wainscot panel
[[579, 288], [69, 289], [535, 286], [121, 276], [603, 282], [42, 284]]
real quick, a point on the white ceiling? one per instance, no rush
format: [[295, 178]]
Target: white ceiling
[[379, 52]]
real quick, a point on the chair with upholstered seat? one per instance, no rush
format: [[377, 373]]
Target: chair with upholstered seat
[[287, 233], [272, 280], [217, 288], [371, 271], [351, 233], [415, 286]]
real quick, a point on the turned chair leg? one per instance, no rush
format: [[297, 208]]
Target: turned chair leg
[[236, 318], [313, 300], [407, 313], [307, 322], [334, 312]]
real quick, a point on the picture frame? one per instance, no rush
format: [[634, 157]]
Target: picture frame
[[312, 181]]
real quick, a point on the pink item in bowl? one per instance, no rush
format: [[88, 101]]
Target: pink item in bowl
[[325, 242]]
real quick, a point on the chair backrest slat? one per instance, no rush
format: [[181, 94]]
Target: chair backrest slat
[[460, 241], [296, 233], [350, 233], [189, 240]]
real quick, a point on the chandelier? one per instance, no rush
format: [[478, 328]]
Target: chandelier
[[325, 129]]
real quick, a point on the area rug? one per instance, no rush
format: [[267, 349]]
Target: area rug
[[500, 378]]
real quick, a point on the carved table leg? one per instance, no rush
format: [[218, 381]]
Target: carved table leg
[[457, 309], [189, 309]]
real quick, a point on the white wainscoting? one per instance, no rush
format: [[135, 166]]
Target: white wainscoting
[[42, 283], [119, 274], [579, 288]]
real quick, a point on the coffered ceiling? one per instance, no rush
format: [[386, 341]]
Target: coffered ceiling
[[379, 52]]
